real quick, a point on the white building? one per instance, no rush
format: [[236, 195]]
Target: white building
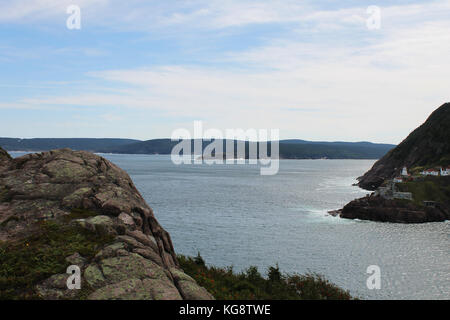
[[430, 172], [404, 172], [398, 180], [445, 172]]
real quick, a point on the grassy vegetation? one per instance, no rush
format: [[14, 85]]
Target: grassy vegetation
[[429, 189], [26, 263], [224, 284]]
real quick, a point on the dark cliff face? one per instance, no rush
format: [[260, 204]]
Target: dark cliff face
[[88, 198], [376, 208], [428, 145]]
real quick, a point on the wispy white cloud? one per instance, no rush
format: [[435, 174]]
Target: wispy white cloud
[[394, 76], [148, 15]]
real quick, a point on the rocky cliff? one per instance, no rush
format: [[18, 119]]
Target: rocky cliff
[[425, 147], [376, 208], [428, 145], [62, 208]]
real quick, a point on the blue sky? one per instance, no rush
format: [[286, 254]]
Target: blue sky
[[141, 69]]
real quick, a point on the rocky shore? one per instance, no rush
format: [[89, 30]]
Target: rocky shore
[[87, 198], [376, 208], [422, 200]]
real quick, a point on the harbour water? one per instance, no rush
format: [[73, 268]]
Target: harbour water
[[234, 216]]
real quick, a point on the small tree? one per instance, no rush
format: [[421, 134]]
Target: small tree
[[199, 260], [275, 274]]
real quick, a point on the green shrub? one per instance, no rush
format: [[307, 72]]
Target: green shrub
[[224, 284], [24, 264], [429, 189]]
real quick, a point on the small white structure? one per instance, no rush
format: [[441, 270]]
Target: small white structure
[[404, 172], [445, 172], [430, 172], [398, 180]]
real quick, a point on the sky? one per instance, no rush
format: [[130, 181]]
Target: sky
[[316, 70]]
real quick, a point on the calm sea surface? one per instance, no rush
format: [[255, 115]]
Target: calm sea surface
[[234, 216]]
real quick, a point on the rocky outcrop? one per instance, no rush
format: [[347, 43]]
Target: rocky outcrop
[[87, 191], [428, 145], [5, 159], [376, 208]]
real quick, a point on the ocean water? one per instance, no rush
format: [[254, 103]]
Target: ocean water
[[234, 216]]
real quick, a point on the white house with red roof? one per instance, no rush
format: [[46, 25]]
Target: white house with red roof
[[430, 172]]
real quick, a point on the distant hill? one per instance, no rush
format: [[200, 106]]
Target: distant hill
[[427, 146], [45, 144], [289, 149], [154, 146]]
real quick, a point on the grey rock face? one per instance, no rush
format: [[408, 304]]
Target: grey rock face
[[140, 263]]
